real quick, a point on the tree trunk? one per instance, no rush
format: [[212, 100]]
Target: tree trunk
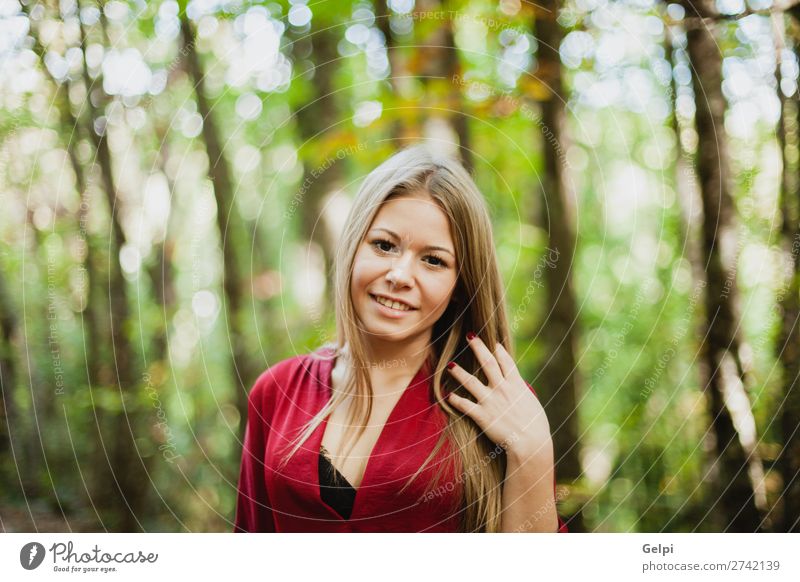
[[738, 472], [788, 345], [231, 229], [128, 470], [161, 270], [69, 122], [98, 371], [397, 71], [440, 66], [560, 382], [317, 122], [9, 429], [687, 191], [686, 186]]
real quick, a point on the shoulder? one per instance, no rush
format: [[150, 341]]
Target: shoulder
[[287, 376]]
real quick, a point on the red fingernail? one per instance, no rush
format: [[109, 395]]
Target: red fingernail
[[470, 335], [451, 365]]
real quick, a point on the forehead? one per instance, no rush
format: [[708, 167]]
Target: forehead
[[415, 218]]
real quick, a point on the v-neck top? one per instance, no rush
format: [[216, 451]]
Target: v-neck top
[[276, 497], [334, 488]]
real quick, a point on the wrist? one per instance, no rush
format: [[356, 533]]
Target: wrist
[[524, 451]]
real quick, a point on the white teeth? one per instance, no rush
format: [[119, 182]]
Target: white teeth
[[393, 304]]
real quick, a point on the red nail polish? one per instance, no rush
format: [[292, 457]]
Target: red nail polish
[[470, 335], [451, 365]]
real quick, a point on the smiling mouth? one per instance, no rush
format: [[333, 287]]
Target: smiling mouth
[[395, 305]]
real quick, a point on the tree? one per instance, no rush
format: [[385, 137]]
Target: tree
[[397, 70], [230, 225], [559, 374], [125, 467], [8, 379], [737, 471], [439, 66], [788, 345], [319, 123]]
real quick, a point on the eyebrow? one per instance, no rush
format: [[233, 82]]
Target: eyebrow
[[428, 248]]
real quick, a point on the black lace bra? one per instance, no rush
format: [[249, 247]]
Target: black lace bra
[[334, 488]]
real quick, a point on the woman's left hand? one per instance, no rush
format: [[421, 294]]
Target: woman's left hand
[[506, 410]]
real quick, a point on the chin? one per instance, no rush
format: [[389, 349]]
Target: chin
[[382, 332], [387, 334]]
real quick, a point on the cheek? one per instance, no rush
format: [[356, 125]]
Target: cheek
[[364, 271], [439, 292], [356, 286]]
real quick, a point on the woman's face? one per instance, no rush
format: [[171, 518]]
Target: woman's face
[[407, 262]]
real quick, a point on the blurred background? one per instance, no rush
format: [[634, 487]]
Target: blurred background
[[174, 177]]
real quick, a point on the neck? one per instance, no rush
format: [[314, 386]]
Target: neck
[[398, 360]]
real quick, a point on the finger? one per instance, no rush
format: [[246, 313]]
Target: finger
[[466, 406], [487, 361], [507, 363], [468, 381]]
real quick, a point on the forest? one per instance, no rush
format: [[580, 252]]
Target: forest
[[174, 177]]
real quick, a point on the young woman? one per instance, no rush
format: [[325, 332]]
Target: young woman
[[417, 418]]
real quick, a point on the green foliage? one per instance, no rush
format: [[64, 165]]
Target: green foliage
[[641, 406]]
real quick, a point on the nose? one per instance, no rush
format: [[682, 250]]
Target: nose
[[400, 274]]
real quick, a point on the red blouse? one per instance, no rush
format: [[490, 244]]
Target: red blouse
[[287, 499]]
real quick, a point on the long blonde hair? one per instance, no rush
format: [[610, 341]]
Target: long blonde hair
[[477, 304]]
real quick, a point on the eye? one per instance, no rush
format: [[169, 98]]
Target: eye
[[383, 245], [437, 262]]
